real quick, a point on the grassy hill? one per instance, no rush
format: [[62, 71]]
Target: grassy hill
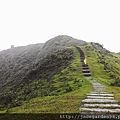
[[28, 72], [97, 58], [55, 83], [71, 86]]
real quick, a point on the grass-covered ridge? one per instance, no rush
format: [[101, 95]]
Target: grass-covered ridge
[[38, 81], [104, 67], [27, 72], [105, 62], [58, 85], [70, 87]]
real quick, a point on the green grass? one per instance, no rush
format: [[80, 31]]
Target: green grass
[[71, 86], [114, 90], [72, 77], [103, 75], [67, 103], [96, 68]]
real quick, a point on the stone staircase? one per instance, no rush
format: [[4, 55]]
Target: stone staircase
[[85, 68], [98, 101]]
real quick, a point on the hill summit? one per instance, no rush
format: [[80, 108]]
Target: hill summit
[[63, 41], [58, 43]]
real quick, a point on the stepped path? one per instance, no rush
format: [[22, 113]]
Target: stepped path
[[99, 101], [85, 68]]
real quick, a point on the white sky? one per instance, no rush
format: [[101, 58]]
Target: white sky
[[24, 22]]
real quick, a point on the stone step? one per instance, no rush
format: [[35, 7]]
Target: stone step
[[102, 105], [86, 71], [93, 82], [96, 82], [99, 101], [110, 95], [86, 74], [85, 68], [82, 54], [84, 65], [98, 92], [102, 88], [99, 97], [100, 110], [82, 58], [98, 86]]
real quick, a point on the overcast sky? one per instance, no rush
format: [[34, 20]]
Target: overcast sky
[[24, 22]]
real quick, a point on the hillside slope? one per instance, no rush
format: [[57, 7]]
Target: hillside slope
[[104, 67], [25, 72], [71, 87], [77, 85], [50, 74], [108, 63]]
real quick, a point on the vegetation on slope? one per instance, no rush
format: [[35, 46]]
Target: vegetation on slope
[[52, 80], [107, 63], [26, 72], [104, 67], [71, 87], [39, 81]]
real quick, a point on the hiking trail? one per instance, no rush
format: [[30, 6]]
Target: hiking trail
[[98, 101]]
